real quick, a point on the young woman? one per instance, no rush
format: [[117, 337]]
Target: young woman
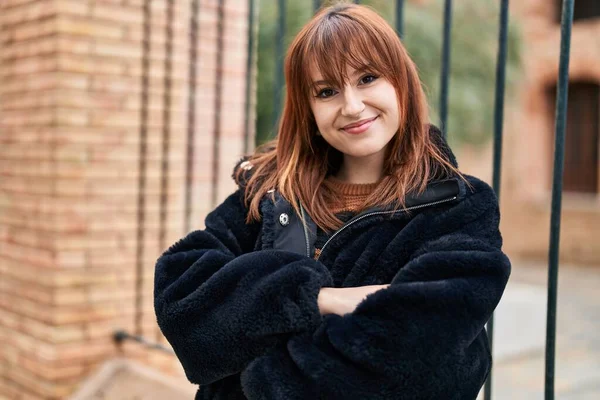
[[355, 261]]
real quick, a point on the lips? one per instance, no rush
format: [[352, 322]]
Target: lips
[[359, 127], [359, 123]]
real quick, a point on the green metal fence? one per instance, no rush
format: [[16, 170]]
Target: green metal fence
[[557, 184], [560, 127]]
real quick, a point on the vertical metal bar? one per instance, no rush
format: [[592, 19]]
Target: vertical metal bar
[[400, 18], [279, 43], [500, 89], [249, 79], [316, 5], [445, 77], [218, 94], [166, 133], [191, 115], [557, 183], [166, 128], [498, 126], [143, 145]]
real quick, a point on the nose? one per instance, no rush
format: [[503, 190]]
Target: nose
[[353, 105]]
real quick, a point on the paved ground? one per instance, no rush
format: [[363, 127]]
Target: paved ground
[[121, 379], [520, 334]]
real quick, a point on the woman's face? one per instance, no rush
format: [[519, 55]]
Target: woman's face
[[358, 119]]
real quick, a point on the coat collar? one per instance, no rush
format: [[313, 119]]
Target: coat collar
[[286, 231]]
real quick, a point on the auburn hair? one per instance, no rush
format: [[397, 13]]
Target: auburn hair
[[298, 160]]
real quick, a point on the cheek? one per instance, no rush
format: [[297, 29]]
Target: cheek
[[390, 104], [394, 107], [323, 115], [319, 121], [316, 115], [322, 125]]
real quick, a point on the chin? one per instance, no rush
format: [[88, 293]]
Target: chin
[[362, 152]]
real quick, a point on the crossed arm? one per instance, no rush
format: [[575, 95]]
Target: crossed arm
[[421, 338], [221, 305], [342, 301]]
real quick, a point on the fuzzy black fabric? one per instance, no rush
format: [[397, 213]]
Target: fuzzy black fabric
[[243, 318]]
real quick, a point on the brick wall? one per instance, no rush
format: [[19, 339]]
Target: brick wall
[[70, 103]]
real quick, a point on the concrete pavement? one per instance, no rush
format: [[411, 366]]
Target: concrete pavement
[[520, 334]]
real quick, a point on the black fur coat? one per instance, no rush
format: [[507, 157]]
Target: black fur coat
[[238, 302]]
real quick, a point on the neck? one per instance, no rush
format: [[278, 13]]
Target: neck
[[360, 170]]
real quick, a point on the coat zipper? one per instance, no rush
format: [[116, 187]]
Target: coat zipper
[[305, 231], [380, 213]]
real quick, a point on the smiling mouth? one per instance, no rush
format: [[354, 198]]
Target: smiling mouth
[[360, 123], [359, 127]]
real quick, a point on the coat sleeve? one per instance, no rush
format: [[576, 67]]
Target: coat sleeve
[[220, 304], [422, 337]]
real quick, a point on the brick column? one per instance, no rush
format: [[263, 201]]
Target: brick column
[[70, 101]]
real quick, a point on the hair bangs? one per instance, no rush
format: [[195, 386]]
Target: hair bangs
[[340, 41]]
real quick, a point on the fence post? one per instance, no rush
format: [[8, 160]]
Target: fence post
[[557, 183], [191, 114], [445, 77], [400, 18], [249, 78], [278, 88], [141, 203], [498, 125]]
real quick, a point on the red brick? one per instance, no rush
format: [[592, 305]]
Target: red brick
[[52, 371], [88, 27], [116, 13], [42, 46], [20, 67], [74, 44], [72, 7], [90, 350]]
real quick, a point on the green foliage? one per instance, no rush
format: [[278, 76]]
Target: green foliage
[[473, 60], [298, 13]]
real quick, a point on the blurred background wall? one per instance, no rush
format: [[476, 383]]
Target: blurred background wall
[[529, 135]]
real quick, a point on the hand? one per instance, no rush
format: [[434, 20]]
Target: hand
[[342, 301]]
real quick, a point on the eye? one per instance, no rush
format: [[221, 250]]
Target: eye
[[367, 79], [325, 93]]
